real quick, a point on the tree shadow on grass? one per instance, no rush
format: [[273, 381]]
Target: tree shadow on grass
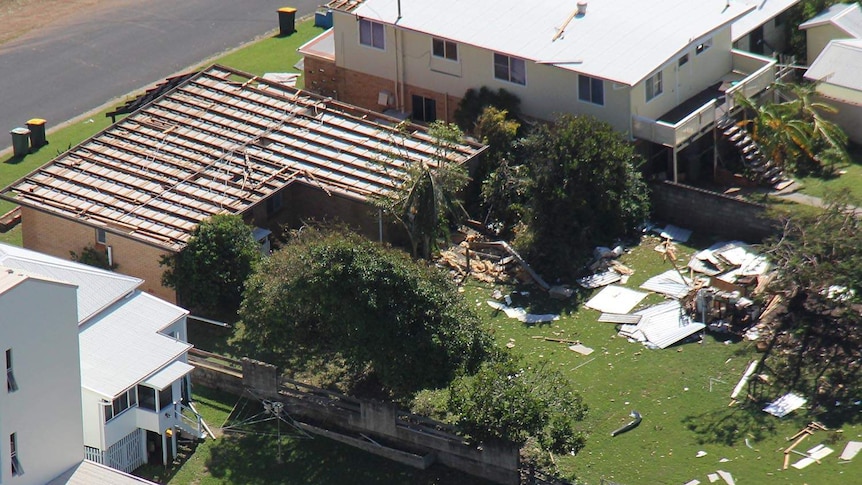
[[254, 460], [730, 426]]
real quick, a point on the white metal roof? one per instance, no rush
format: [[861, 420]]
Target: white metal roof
[[168, 375], [847, 17], [91, 473], [840, 64], [619, 40], [97, 288], [122, 346], [764, 11]]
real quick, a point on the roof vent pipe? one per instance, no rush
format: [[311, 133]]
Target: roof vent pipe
[[582, 9]]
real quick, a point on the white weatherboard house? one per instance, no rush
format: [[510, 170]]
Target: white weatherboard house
[[663, 71], [133, 363], [834, 42]]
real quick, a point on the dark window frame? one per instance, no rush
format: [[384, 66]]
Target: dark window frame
[[510, 69], [444, 49], [372, 34], [591, 90]]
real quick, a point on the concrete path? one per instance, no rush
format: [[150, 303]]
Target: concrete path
[[81, 62]]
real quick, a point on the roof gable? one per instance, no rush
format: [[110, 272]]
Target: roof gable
[[764, 11], [839, 64], [619, 40], [847, 17]]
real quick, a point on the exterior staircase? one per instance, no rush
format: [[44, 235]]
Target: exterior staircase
[[763, 170]]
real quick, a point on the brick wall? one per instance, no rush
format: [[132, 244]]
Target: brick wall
[[58, 236], [711, 212], [360, 89]]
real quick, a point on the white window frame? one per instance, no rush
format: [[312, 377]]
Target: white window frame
[[11, 384], [590, 97], [131, 396], [654, 87], [499, 59], [372, 41], [448, 50], [703, 47]]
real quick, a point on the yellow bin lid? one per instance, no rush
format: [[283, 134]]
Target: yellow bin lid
[[287, 9], [36, 121]]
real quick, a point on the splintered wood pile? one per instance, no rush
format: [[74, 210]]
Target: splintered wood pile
[[491, 265]]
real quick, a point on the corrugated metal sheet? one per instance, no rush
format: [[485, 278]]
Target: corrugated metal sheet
[[122, 346], [669, 283], [619, 318], [89, 473], [764, 11], [599, 279], [615, 299], [97, 288], [662, 325], [624, 41]]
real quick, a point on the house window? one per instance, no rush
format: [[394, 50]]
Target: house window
[[510, 69], [654, 87], [683, 60], [11, 385], [591, 90], [703, 47], [126, 400], [371, 34], [101, 237], [13, 447], [166, 397], [424, 109], [444, 49], [274, 203], [147, 398]]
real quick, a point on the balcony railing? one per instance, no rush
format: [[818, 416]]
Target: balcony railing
[[762, 75]]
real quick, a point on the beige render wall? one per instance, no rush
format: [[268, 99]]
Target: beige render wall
[[58, 236], [816, 39]]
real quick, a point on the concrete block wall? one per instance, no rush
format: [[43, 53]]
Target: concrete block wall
[[711, 212]]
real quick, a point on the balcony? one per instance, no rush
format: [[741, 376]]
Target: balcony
[[751, 75]]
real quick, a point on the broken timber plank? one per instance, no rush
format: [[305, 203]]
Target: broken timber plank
[[620, 318], [552, 339]]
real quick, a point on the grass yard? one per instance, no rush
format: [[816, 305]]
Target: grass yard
[[850, 179], [671, 389]]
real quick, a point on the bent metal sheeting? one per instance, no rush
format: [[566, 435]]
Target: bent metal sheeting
[[223, 141]]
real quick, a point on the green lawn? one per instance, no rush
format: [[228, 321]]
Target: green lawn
[[671, 389], [850, 178]]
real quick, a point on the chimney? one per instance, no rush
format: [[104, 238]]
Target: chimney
[[582, 8]]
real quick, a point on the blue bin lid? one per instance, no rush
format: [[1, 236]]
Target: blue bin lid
[[20, 131]]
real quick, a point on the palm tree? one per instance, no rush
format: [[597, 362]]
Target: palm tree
[[795, 131], [425, 197]]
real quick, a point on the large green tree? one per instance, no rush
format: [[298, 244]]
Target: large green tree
[[817, 342], [425, 200], [587, 189], [329, 294], [508, 400], [209, 272]]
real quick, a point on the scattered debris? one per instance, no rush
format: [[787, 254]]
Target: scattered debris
[[552, 339], [805, 432], [620, 318], [726, 476], [581, 349], [669, 283], [785, 405], [749, 371], [661, 325], [815, 454], [585, 363], [713, 477], [521, 315], [285, 78], [675, 233], [700, 454], [631, 425], [693, 482], [851, 450], [560, 292], [599, 279], [615, 299]]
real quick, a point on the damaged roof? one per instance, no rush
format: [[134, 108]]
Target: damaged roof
[[223, 141]]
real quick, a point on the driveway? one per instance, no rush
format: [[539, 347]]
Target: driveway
[[92, 51]]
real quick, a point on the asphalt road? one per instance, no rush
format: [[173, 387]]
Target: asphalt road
[[77, 64]]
